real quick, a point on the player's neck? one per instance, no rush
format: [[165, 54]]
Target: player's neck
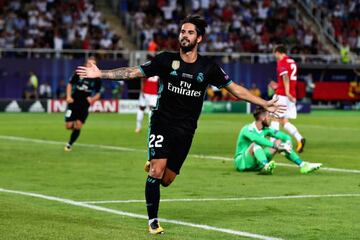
[[259, 125], [189, 57], [282, 57]]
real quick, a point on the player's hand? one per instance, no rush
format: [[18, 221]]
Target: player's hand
[[88, 72], [274, 107], [69, 100], [284, 147], [90, 100]]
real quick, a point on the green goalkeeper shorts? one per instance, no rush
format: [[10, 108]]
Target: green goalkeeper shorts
[[246, 162]]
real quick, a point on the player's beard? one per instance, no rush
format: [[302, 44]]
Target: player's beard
[[186, 45], [265, 124]]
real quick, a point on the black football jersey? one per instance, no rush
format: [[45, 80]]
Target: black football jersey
[[83, 87], [182, 87]]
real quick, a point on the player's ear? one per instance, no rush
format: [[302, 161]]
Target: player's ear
[[199, 39]]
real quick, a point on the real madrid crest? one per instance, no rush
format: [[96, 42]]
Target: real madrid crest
[[200, 77]]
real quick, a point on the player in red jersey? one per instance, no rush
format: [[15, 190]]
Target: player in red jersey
[[148, 98], [286, 92]]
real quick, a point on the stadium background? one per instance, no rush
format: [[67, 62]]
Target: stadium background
[[50, 38]]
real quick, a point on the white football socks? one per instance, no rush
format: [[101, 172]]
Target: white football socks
[[293, 131], [139, 118]]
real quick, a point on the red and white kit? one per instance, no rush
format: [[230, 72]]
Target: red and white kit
[[148, 97], [287, 66]]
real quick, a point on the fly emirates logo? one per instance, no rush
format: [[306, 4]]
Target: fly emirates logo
[[184, 89]]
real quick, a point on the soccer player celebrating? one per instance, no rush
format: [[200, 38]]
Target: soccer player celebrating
[[286, 92], [254, 151], [79, 98], [184, 77], [147, 98]]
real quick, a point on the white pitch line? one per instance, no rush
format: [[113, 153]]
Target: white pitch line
[[229, 199], [116, 148], [140, 216]]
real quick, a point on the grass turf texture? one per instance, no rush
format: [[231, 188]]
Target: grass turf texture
[[92, 173]]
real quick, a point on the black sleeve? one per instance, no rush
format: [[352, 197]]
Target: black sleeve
[[218, 76], [74, 79], [97, 86], [153, 67]]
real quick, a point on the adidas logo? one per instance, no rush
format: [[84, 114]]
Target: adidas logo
[[13, 107], [173, 73], [36, 107]]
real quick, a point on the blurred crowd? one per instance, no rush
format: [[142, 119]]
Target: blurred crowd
[[54, 24], [342, 18], [234, 25]]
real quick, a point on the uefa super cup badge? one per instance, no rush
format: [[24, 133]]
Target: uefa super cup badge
[[175, 65]]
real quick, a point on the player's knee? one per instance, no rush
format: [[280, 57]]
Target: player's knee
[[156, 172], [251, 149], [78, 125], [69, 126]]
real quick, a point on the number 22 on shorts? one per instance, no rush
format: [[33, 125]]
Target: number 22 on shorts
[[155, 141]]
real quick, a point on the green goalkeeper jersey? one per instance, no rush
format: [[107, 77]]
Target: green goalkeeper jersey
[[250, 134]]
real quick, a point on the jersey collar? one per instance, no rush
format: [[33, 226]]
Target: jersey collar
[[254, 126]]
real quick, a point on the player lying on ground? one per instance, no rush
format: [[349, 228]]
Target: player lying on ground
[[254, 151], [184, 78]]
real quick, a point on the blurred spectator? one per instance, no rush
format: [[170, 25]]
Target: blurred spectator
[[227, 96], [61, 90], [309, 89], [117, 89], [30, 91], [345, 52], [214, 93], [34, 80], [255, 90], [272, 86], [153, 46], [45, 90]]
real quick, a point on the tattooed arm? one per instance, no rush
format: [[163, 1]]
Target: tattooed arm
[[124, 73]]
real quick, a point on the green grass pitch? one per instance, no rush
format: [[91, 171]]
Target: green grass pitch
[[96, 173]]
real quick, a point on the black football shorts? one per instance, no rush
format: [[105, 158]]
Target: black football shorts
[[76, 111], [169, 142]]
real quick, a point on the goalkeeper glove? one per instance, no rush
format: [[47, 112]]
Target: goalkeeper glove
[[283, 147]]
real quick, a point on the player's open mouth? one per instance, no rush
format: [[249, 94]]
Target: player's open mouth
[[184, 41]]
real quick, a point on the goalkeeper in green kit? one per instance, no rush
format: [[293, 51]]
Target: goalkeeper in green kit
[[254, 150]]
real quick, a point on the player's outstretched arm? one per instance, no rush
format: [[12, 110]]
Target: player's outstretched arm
[[244, 94], [124, 73]]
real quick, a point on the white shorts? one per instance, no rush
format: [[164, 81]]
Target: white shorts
[[147, 100], [291, 112]]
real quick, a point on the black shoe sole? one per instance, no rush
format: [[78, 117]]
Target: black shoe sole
[[302, 145]]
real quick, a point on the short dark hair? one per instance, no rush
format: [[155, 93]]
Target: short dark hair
[[258, 112], [280, 48], [90, 58], [199, 22]]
